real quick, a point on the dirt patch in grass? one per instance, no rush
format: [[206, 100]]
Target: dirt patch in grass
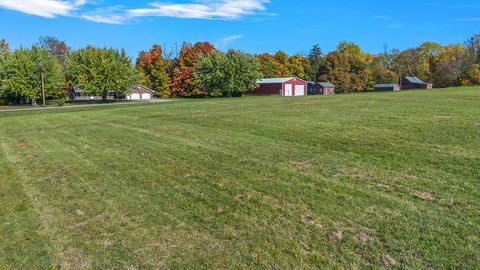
[[310, 222], [301, 164], [336, 236], [383, 186], [442, 117], [388, 261], [364, 236], [238, 198], [426, 196], [73, 259]]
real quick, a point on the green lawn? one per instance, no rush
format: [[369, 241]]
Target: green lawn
[[360, 181]]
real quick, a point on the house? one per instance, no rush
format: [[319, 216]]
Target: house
[[285, 87], [387, 87], [140, 92], [415, 83], [78, 94]]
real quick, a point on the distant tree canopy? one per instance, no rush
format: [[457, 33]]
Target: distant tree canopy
[[20, 79], [227, 74], [199, 70], [100, 70]]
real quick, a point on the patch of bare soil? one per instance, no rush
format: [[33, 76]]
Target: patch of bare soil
[[442, 117], [73, 259], [107, 243], [388, 261], [302, 164], [427, 196], [336, 236], [309, 222], [364, 236], [383, 186]]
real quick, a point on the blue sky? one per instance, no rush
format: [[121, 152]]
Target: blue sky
[[254, 26]]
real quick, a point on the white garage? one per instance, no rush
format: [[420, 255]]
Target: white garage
[[134, 96], [140, 93]]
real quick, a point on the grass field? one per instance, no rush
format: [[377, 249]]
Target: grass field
[[359, 181]]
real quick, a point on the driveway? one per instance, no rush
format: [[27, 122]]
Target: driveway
[[84, 105]]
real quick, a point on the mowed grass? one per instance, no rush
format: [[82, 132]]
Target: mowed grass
[[361, 181]]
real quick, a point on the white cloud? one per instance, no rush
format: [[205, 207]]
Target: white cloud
[[202, 9], [224, 42], [110, 15], [198, 9], [43, 8]]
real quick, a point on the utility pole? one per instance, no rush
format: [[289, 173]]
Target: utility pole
[[42, 71]]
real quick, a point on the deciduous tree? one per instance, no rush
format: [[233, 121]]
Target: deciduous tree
[[337, 71], [473, 74], [56, 47], [269, 66], [183, 82], [228, 74], [153, 68], [298, 66], [100, 70], [20, 75]]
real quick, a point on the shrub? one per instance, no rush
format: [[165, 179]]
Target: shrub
[[61, 102]]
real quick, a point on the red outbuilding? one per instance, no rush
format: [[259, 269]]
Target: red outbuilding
[[286, 87]]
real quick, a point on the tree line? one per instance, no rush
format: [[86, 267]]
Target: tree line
[[200, 70]]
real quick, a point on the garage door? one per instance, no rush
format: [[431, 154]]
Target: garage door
[[299, 90], [135, 96], [146, 96], [288, 90]]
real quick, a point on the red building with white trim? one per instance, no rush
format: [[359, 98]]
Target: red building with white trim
[[286, 87]]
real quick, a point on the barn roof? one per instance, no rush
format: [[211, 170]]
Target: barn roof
[[385, 85], [414, 80], [327, 84], [276, 80]]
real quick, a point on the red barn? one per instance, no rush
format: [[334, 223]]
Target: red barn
[[286, 87], [326, 88], [322, 88], [415, 83]]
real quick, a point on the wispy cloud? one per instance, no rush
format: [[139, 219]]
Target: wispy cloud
[[197, 9], [395, 25], [476, 19], [43, 8], [382, 17], [224, 42], [205, 9], [390, 21]]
